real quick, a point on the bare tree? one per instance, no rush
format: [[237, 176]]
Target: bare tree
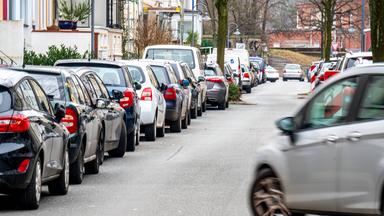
[[377, 29]]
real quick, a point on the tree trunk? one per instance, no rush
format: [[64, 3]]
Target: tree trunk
[[328, 23], [264, 24], [376, 8], [222, 12]]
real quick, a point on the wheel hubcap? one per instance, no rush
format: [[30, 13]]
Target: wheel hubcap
[[38, 181], [268, 199], [66, 169]]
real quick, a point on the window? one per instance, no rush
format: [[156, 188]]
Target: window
[[104, 91], [79, 90], [73, 94], [172, 75], [41, 98], [113, 13], [136, 74], [90, 89], [372, 106], [184, 55], [332, 105], [96, 87], [52, 85], [29, 96], [152, 77], [5, 100], [161, 74]]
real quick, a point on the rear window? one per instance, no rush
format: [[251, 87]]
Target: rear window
[[137, 74], [209, 71], [292, 66], [161, 74], [113, 77], [5, 99], [52, 85], [184, 55]]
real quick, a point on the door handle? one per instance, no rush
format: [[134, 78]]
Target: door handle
[[354, 136], [331, 139]]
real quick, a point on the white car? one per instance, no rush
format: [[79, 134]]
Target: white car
[[272, 73], [152, 101], [246, 79], [329, 158], [354, 59]]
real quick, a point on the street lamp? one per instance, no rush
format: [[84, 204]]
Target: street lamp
[[205, 18], [237, 32]]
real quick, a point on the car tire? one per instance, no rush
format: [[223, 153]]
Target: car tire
[[175, 126], [189, 117], [248, 90], [161, 131], [102, 145], [204, 106], [302, 80], [227, 104], [267, 185], [60, 185], [137, 138], [221, 106], [194, 113], [150, 131], [184, 122], [76, 171], [285, 80], [200, 111], [120, 150], [29, 199], [131, 141], [273, 81], [92, 167]]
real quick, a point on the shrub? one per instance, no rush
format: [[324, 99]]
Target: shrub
[[234, 92], [53, 54]]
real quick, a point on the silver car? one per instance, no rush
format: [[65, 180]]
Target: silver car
[[330, 157], [293, 71]]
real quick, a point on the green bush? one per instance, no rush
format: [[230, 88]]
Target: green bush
[[53, 54], [234, 92]]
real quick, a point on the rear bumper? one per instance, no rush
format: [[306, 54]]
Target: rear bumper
[[148, 112], [172, 112], [74, 147], [130, 119], [293, 76], [246, 83], [216, 95]]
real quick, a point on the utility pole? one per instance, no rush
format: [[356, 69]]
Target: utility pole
[[193, 23], [363, 26], [92, 28]]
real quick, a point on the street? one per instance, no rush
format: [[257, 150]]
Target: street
[[205, 171]]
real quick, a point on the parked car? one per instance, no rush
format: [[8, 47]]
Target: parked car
[[246, 79], [272, 73], [115, 76], [84, 125], [352, 59], [261, 62], [34, 145], [320, 74], [235, 64], [152, 102], [113, 135], [186, 54], [195, 88], [293, 71], [218, 87], [329, 159], [176, 111], [228, 73]]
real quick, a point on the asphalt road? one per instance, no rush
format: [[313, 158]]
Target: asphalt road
[[205, 170]]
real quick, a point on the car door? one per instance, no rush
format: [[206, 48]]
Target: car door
[[161, 105], [361, 154], [312, 158]]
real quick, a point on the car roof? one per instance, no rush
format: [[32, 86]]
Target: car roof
[[170, 46], [157, 62], [44, 70], [359, 54], [9, 78], [94, 61], [137, 62]]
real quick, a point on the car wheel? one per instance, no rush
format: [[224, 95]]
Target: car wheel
[[161, 131], [285, 80], [204, 106], [137, 138], [302, 80], [200, 111], [93, 166], [184, 122], [176, 126], [131, 141], [77, 168], [221, 106], [227, 104], [60, 185], [194, 113], [120, 150], [267, 197], [30, 197], [248, 90], [101, 146], [189, 117], [150, 131]]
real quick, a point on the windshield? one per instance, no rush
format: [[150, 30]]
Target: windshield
[[137, 74], [357, 61], [5, 99], [292, 67], [161, 74], [184, 55], [52, 85]]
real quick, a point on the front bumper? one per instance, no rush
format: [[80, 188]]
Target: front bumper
[[148, 112]]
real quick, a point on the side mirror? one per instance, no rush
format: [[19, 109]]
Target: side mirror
[[100, 104], [117, 95], [228, 76], [201, 79], [235, 75], [185, 83], [287, 125], [137, 86], [59, 112], [163, 87]]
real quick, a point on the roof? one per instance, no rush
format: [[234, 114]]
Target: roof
[[359, 54], [171, 46], [91, 61], [10, 78]]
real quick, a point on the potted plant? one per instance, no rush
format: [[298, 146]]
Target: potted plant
[[71, 13]]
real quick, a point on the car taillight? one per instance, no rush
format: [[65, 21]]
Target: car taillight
[[70, 120], [214, 79], [312, 67], [246, 75], [146, 95], [321, 77], [127, 100], [170, 94], [23, 166], [14, 124]]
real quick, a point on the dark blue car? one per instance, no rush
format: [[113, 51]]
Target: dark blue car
[[116, 76]]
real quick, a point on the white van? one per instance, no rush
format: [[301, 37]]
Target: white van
[[233, 61], [186, 54]]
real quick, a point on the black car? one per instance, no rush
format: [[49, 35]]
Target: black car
[[195, 89], [115, 75], [65, 88], [33, 144], [112, 115], [176, 113]]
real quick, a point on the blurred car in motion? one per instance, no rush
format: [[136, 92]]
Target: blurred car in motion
[[272, 73], [152, 102], [329, 158], [217, 93], [33, 143], [115, 76], [246, 78], [293, 71]]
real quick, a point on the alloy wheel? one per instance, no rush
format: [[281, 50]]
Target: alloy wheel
[[38, 181], [66, 169]]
